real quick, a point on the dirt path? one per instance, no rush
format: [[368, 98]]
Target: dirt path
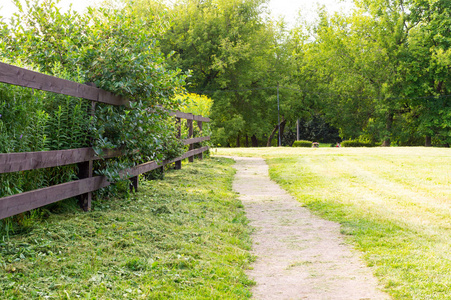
[[299, 256]]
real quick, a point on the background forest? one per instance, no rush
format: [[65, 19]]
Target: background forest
[[379, 73]]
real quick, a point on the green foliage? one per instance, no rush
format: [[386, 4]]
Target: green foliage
[[356, 143], [40, 121], [122, 56], [114, 49], [381, 70], [118, 52], [302, 144], [198, 105], [229, 48]]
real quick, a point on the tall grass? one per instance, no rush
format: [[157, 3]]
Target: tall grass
[[32, 120]]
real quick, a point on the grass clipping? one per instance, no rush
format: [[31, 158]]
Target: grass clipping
[[184, 237]]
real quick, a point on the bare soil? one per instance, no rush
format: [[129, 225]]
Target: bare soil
[[299, 255]]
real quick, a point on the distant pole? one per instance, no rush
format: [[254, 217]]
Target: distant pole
[[297, 130], [278, 115]]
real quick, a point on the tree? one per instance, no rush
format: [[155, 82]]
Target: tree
[[427, 68], [230, 51], [358, 58]]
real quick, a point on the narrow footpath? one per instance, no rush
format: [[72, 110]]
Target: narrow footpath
[[299, 255]]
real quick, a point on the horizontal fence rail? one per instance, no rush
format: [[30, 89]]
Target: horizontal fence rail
[[83, 157], [31, 79], [25, 161]]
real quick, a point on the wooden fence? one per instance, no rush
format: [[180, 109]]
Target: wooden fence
[[84, 157]]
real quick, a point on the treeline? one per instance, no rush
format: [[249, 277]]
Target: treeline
[[379, 73], [387, 65]]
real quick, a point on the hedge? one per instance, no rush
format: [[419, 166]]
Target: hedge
[[356, 143], [302, 144]]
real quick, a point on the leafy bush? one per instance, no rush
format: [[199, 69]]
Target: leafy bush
[[302, 144], [113, 49], [356, 143]]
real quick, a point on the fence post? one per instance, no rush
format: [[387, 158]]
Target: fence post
[[178, 123], [190, 135], [199, 124], [134, 183], [161, 172], [85, 171]]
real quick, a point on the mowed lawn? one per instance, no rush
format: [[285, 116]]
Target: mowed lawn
[[184, 237], [394, 204]]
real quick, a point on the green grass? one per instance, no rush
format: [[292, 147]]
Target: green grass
[[184, 237], [394, 205]]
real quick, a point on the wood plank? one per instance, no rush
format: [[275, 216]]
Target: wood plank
[[14, 162], [195, 140], [16, 204], [182, 115], [152, 165], [23, 161], [110, 98], [195, 152], [188, 154], [201, 119], [22, 77], [140, 169]]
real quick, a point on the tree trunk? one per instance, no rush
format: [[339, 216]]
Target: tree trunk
[[247, 141], [238, 141], [388, 126], [268, 144], [254, 141], [386, 143], [428, 141], [439, 87], [273, 133], [282, 129]]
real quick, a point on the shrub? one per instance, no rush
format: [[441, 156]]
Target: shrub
[[356, 143], [302, 144], [113, 49]]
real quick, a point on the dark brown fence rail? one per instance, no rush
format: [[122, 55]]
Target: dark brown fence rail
[[84, 157]]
